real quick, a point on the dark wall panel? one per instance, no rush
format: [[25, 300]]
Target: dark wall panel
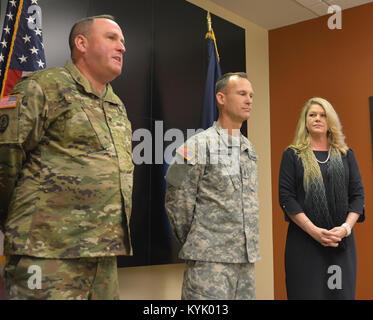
[[180, 66]]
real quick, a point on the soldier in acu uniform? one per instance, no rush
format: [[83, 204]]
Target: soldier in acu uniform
[[66, 173], [212, 203]]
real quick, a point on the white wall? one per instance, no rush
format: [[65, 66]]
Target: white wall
[[161, 282]]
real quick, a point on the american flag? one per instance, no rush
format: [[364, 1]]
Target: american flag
[[21, 45]]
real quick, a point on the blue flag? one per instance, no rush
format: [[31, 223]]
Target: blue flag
[[21, 45], [209, 108]]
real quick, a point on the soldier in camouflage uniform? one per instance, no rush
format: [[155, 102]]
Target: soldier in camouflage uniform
[[212, 202], [66, 173]]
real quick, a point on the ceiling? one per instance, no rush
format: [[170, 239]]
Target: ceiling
[[272, 14]]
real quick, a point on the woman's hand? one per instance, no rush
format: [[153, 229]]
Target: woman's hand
[[339, 232], [327, 238]]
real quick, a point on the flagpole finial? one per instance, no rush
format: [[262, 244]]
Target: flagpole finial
[[209, 25]]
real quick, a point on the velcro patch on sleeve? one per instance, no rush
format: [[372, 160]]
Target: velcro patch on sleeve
[[8, 102], [9, 119], [186, 153]]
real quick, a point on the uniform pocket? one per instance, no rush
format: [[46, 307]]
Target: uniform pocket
[[84, 128], [225, 172], [10, 273], [250, 176]]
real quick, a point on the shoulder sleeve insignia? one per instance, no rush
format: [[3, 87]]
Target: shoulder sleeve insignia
[[4, 122], [8, 102], [186, 153]]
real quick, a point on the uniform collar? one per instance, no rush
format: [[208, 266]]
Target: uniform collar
[[244, 143], [109, 95]]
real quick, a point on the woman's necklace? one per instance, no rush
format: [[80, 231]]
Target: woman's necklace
[[327, 159]]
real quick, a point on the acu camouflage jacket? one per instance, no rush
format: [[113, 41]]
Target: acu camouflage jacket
[[211, 198], [65, 168]]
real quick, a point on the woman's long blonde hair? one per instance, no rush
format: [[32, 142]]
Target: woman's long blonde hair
[[336, 138]]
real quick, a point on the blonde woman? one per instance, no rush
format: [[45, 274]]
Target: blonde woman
[[322, 196]]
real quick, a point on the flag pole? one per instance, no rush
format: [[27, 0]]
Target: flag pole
[[16, 24], [210, 33], [209, 25], [209, 112]]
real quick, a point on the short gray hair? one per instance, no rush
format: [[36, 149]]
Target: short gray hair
[[224, 79], [82, 27]]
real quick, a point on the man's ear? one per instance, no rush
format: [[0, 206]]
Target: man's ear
[[81, 43], [220, 98]]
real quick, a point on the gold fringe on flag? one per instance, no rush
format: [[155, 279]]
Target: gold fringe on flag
[[210, 33]]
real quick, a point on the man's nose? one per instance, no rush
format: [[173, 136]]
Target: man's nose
[[121, 47]]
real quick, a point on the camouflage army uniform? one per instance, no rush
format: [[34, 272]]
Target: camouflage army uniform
[[61, 279], [212, 204], [66, 169]]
